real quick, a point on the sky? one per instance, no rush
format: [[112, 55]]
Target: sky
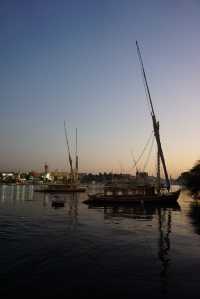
[[76, 60]]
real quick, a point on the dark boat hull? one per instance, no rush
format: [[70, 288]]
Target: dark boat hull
[[60, 190], [58, 204], [164, 199]]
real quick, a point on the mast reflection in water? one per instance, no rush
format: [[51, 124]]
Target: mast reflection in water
[[147, 213], [76, 251]]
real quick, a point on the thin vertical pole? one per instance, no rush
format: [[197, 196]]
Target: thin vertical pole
[[76, 156]]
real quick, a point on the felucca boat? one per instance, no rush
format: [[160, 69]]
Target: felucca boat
[[72, 185], [116, 194]]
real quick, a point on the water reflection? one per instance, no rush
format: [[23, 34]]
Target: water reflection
[[194, 213], [16, 193], [3, 193], [45, 200], [138, 212], [160, 218], [73, 204], [133, 251], [164, 227], [70, 203]]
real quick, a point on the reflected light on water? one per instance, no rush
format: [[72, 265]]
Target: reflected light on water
[[131, 250]]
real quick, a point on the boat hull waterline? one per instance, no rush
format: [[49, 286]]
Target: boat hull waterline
[[62, 190], [164, 199]]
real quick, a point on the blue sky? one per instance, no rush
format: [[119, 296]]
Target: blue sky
[[76, 60]]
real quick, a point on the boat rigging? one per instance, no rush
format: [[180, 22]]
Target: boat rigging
[[76, 154], [69, 186], [68, 150], [120, 194], [160, 155]]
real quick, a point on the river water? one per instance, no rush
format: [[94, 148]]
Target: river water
[[76, 251]]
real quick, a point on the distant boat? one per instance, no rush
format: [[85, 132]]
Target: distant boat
[[127, 194], [62, 188], [72, 185], [58, 202]]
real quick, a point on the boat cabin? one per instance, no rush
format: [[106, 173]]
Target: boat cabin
[[115, 191]]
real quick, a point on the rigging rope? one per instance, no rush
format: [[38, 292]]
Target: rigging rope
[[144, 149], [149, 155], [134, 161]]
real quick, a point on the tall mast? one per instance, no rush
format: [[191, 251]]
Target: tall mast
[[76, 157], [155, 126], [68, 150]]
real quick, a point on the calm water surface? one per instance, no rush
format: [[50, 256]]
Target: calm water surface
[[80, 251]]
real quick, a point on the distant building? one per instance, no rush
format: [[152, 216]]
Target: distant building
[[46, 176], [8, 174], [46, 168]]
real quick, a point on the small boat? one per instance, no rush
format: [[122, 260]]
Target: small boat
[[62, 188], [58, 202], [140, 194]]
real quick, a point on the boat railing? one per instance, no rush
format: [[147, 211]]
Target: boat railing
[[128, 190]]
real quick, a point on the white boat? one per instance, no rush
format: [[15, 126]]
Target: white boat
[[72, 185]]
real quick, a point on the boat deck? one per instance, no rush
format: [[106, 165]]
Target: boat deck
[[163, 199], [72, 190]]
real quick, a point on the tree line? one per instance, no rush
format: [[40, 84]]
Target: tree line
[[191, 179]]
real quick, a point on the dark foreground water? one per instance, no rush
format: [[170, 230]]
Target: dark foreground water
[[75, 252]]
